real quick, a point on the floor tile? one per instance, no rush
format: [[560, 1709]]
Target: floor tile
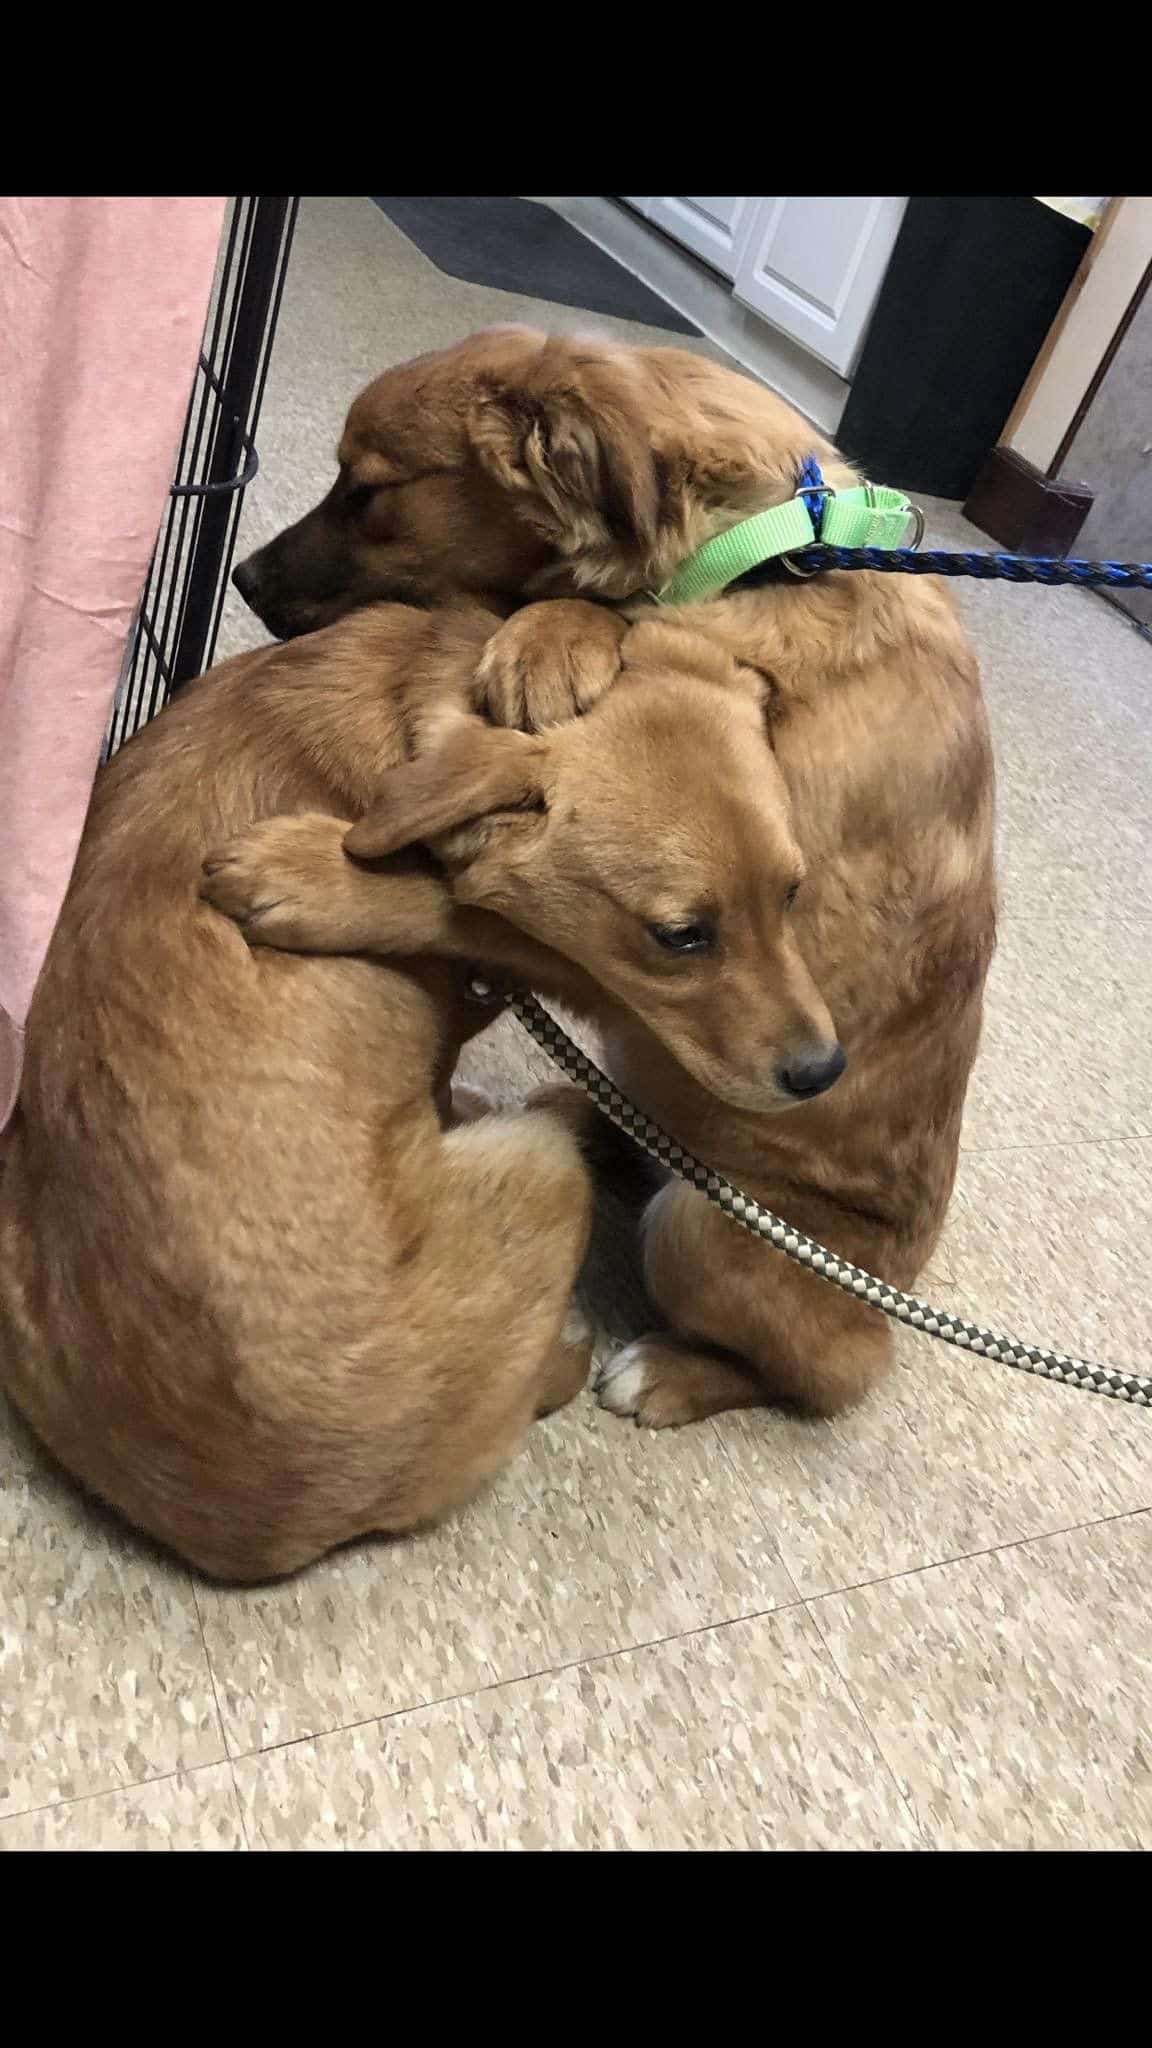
[[1066, 1052], [1142, 1108], [740, 1738], [1068, 683], [597, 1537], [197, 1810], [1051, 1241], [103, 1676], [1064, 848], [1010, 1693], [955, 1454]]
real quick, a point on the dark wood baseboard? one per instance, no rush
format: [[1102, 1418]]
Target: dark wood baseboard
[[1026, 511]]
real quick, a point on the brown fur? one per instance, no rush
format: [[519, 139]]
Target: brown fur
[[252, 1291], [520, 463]]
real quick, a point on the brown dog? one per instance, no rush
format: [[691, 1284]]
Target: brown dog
[[252, 1291], [516, 465]]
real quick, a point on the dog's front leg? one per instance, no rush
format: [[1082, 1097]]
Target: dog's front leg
[[289, 884], [548, 663]]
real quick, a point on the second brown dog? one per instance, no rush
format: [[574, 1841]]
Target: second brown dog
[[254, 1291]]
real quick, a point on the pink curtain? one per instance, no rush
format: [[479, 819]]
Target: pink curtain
[[102, 307]]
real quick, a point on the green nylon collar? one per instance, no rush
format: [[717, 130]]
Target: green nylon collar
[[868, 516]]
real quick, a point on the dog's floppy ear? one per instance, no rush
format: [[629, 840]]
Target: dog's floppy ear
[[479, 772], [571, 443]]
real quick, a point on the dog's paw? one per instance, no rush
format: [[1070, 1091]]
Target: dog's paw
[[664, 1384], [549, 663], [636, 1382], [622, 1384], [272, 879]]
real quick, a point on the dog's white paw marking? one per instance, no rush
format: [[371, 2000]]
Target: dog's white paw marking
[[624, 1381]]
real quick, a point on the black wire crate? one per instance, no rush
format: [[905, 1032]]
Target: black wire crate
[[179, 614]]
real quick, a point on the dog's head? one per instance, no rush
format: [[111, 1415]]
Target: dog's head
[[518, 464], [650, 844]]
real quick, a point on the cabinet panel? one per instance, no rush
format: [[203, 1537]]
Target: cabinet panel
[[814, 268], [713, 229]]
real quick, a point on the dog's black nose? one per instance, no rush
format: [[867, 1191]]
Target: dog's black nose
[[246, 581], [812, 1071]]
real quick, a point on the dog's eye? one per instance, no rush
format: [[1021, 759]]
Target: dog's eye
[[790, 895], [360, 497], [684, 938]]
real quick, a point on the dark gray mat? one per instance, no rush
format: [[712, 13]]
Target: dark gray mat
[[515, 245]]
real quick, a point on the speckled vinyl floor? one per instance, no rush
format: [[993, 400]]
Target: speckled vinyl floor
[[929, 1625]]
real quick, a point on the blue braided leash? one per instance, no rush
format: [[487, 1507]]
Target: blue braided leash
[[1002, 568], [935, 562]]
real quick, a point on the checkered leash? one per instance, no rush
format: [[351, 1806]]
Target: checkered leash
[[761, 1223]]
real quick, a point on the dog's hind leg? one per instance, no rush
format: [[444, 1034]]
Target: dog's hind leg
[[665, 1380], [749, 1327], [487, 1310]]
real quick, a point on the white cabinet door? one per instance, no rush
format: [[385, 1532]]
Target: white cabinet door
[[711, 228], [814, 268]]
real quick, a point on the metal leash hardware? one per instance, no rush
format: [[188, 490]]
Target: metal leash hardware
[[806, 1251]]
